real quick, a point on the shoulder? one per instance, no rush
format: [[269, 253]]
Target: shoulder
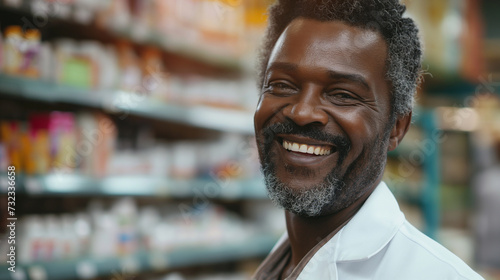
[[409, 255], [417, 253]]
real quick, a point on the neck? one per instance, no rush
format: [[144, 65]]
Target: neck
[[305, 232]]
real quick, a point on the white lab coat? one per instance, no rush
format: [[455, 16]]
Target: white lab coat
[[379, 243]]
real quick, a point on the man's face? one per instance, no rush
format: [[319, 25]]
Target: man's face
[[322, 122]]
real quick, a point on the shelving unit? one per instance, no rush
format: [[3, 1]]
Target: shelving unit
[[89, 267], [197, 118]]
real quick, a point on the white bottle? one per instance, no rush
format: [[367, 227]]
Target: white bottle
[[53, 244], [103, 241], [46, 62], [83, 231], [30, 241], [67, 238], [124, 212]]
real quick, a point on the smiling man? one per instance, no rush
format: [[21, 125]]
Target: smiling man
[[337, 85]]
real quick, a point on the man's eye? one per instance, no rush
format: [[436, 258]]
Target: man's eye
[[280, 88], [342, 97]]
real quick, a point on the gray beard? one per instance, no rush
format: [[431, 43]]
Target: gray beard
[[337, 191], [331, 195], [307, 202]]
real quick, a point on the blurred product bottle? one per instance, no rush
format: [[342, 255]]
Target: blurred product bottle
[[53, 238], [62, 131], [21, 52], [4, 159], [109, 71], [10, 136], [144, 14], [74, 64], [46, 62], [221, 25], [154, 77], [67, 238], [1, 52], [114, 15], [148, 219], [30, 54], [12, 50], [84, 11], [96, 142], [57, 9], [83, 229], [125, 212], [103, 242], [54, 138], [184, 160], [31, 245], [39, 137], [128, 63]]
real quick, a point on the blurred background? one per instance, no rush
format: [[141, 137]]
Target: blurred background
[[129, 124]]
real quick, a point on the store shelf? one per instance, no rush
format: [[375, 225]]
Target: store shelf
[[125, 103], [132, 185], [170, 44], [88, 268], [186, 49]]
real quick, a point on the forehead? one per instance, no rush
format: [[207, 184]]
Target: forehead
[[331, 45]]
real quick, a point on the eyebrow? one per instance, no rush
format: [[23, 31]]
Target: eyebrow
[[283, 66], [358, 79]]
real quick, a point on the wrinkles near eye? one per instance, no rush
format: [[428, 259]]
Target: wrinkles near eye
[[342, 97], [280, 88]]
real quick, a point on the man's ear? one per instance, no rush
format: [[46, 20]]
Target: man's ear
[[399, 131]]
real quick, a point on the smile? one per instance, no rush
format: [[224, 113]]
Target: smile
[[319, 150]]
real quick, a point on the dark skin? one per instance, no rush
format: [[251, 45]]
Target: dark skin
[[332, 76]]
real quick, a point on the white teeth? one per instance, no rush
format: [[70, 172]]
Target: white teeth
[[303, 148], [310, 150], [306, 149]]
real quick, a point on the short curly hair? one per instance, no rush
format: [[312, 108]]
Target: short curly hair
[[403, 65]]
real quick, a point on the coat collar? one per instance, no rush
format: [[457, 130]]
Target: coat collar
[[366, 234], [369, 231]]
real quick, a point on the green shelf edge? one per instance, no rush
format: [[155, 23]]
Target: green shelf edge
[[137, 185]]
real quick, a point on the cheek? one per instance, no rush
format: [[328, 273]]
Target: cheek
[[267, 108], [361, 126]]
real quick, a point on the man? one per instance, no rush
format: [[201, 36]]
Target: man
[[337, 85]]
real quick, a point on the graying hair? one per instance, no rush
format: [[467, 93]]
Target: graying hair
[[403, 65]]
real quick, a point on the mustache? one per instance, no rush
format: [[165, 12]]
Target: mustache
[[342, 143]]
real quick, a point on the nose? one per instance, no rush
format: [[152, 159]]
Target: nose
[[306, 109]]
